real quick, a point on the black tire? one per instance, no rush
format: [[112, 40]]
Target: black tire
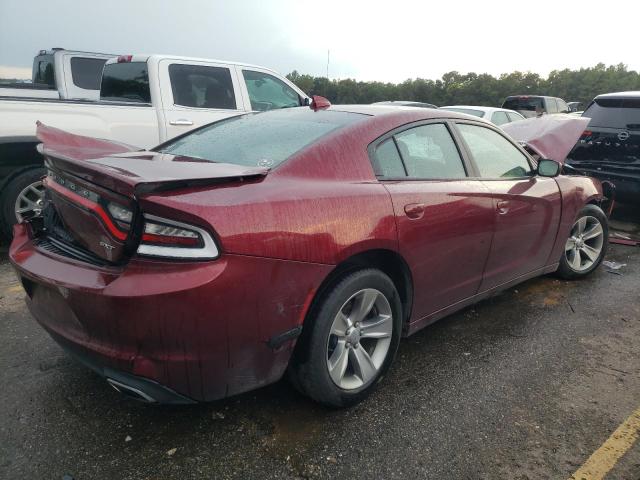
[[565, 270], [309, 371], [10, 194]]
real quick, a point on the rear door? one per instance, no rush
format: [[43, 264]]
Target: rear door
[[526, 207], [444, 219], [196, 93]]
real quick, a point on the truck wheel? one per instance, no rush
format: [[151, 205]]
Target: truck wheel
[[22, 198]]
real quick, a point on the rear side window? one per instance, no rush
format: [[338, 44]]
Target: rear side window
[[87, 72], [428, 151], [201, 86], [523, 103], [499, 118], [514, 117], [614, 113], [562, 106], [267, 92], [494, 155], [265, 139], [552, 105], [125, 82], [387, 161]]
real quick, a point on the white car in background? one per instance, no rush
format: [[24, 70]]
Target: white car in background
[[497, 116]]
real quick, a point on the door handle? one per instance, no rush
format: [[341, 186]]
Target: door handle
[[414, 210], [181, 121], [502, 206]]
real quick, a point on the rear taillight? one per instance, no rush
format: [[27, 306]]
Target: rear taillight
[[586, 133], [170, 239], [124, 58]]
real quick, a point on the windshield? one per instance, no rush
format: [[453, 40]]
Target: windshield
[[263, 139], [468, 111], [523, 103]]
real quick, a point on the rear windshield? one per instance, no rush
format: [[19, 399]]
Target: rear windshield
[[468, 111], [260, 139], [125, 82], [43, 73], [523, 103], [614, 113]]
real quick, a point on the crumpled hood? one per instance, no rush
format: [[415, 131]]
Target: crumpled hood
[[550, 136]]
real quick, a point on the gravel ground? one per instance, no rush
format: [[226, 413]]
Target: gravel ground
[[525, 385]]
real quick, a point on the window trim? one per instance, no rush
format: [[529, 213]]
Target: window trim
[[472, 160], [372, 147]]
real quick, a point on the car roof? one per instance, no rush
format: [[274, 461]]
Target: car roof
[[400, 103], [480, 108], [630, 94], [385, 109], [530, 96]]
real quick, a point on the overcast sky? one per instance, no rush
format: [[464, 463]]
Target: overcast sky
[[368, 40]]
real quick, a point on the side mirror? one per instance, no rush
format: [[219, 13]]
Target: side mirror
[[548, 168]]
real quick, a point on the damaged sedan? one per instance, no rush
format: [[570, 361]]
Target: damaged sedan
[[305, 241]]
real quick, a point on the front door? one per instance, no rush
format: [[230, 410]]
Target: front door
[[444, 219], [527, 207]]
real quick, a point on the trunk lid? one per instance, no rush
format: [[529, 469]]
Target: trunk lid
[[93, 202]]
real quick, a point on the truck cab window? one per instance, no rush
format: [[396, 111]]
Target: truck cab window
[[125, 82], [201, 86], [87, 72], [266, 92]]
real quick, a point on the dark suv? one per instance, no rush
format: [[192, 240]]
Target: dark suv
[[610, 147], [532, 105]]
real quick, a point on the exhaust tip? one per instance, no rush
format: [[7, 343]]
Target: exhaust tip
[[129, 391]]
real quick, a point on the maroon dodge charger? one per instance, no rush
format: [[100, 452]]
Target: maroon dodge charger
[[304, 240]]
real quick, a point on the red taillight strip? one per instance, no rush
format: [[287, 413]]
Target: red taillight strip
[[89, 205]]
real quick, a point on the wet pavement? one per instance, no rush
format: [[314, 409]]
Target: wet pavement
[[526, 385]]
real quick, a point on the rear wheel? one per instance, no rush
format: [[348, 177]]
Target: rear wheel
[[23, 197], [587, 244], [352, 339]]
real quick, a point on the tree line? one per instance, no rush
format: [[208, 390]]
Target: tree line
[[455, 88]]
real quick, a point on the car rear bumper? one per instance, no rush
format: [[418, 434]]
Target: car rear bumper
[[176, 331]]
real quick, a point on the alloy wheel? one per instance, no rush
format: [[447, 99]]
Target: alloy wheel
[[584, 244], [30, 201], [359, 339]]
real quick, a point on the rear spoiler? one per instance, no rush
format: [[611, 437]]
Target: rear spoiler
[[76, 147]]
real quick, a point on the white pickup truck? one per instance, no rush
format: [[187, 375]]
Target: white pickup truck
[[61, 74], [144, 101]]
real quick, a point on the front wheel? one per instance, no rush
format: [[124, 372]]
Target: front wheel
[[351, 339], [587, 244]]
